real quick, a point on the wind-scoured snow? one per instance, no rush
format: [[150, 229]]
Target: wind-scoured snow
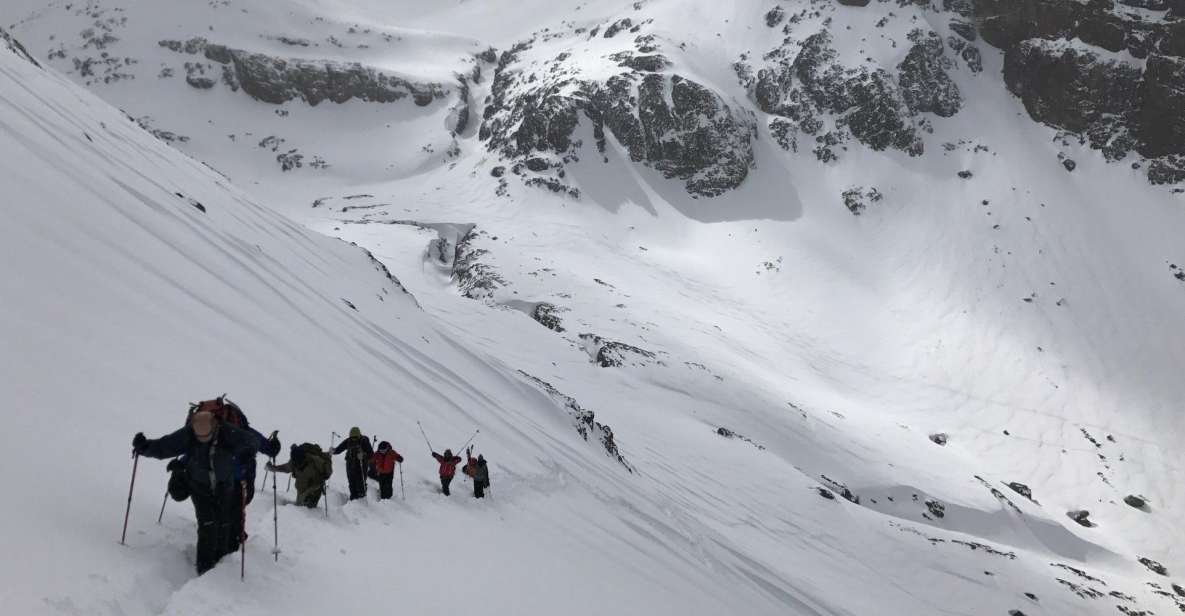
[[1028, 313]]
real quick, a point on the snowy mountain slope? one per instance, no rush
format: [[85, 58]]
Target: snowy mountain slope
[[124, 299], [837, 343]]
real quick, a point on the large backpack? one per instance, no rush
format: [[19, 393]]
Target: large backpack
[[321, 462], [225, 411]]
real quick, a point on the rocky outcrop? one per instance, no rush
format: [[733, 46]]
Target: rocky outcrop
[[1073, 88], [584, 419], [822, 99], [671, 123], [278, 80], [13, 45], [925, 85], [1113, 76]]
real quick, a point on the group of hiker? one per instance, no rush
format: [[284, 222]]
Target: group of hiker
[[214, 466]]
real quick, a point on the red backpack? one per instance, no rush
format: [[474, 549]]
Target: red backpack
[[225, 411]]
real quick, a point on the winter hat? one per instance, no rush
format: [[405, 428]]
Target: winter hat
[[203, 423], [355, 432], [297, 454], [383, 446]]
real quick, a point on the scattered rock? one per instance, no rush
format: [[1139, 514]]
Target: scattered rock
[[966, 175], [939, 438], [937, 509], [1153, 566], [726, 433], [857, 200], [1021, 489], [1135, 501], [1082, 517], [1069, 164]]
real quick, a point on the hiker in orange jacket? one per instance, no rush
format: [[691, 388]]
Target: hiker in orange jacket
[[448, 468], [384, 461]]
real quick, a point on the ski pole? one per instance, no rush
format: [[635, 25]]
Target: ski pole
[[402, 492], [275, 515], [325, 493], [262, 484], [162, 506], [135, 463], [430, 448], [468, 441], [243, 530]]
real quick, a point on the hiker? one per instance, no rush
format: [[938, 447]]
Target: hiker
[[215, 455], [227, 412], [477, 470], [357, 459], [448, 468], [311, 467], [384, 468]]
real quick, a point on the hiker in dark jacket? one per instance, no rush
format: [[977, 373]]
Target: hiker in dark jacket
[[215, 456], [475, 469], [311, 467], [358, 457], [384, 462], [448, 468]]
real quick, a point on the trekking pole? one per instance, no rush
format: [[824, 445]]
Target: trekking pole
[[325, 493], [468, 441], [289, 484], [425, 436], [262, 484], [402, 492], [243, 530], [162, 506], [275, 515], [135, 463]]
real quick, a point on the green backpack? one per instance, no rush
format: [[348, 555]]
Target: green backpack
[[321, 462]]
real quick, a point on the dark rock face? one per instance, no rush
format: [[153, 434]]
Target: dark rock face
[[1069, 88], [925, 86], [668, 122], [1160, 120], [279, 80], [13, 45], [1113, 103]]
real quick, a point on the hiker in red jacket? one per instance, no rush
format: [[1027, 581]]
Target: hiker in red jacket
[[384, 461], [448, 468]]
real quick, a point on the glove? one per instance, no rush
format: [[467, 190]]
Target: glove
[[139, 443], [175, 465], [269, 466]]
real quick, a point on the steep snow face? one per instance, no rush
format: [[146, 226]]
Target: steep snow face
[[907, 261]]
